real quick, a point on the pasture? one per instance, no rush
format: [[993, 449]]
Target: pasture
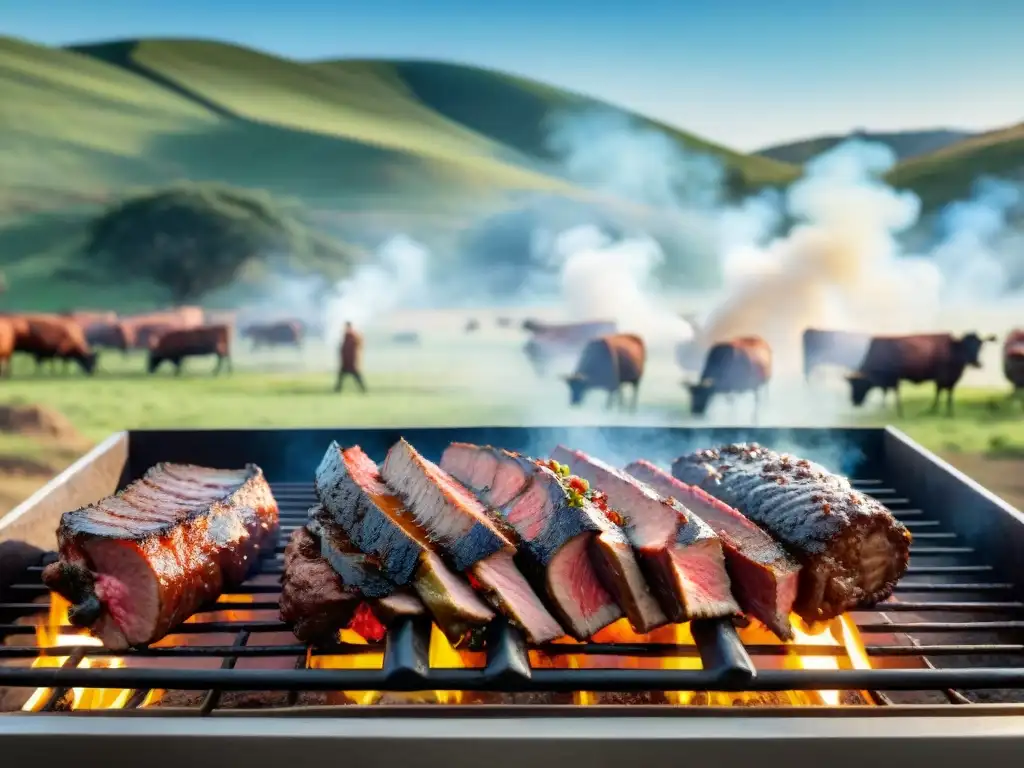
[[455, 378]]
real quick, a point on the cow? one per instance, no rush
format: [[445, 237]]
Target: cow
[[283, 333], [551, 341], [609, 363], [350, 358], [845, 349], [51, 338], [733, 367], [1013, 361], [176, 345], [147, 328], [938, 357], [85, 318], [115, 335], [472, 325], [6, 345]]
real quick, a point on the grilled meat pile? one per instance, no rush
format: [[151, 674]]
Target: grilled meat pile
[[136, 564], [568, 545]]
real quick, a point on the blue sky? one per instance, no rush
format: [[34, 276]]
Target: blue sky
[[745, 73]]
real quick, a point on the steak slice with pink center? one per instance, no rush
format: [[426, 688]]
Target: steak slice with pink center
[[565, 537], [764, 577], [681, 554]]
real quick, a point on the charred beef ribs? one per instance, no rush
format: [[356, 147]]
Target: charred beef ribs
[[852, 549], [682, 556], [351, 489], [137, 564], [468, 535], [579, 553], [764, 577]]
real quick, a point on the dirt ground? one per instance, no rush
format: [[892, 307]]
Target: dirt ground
[[1003, 476]]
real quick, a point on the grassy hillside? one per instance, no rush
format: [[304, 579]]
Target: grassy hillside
[[948, 173], [905, 144]]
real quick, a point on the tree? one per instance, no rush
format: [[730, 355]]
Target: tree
[[191, 238]]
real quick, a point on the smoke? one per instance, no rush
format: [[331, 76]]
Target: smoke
[[394, 278]]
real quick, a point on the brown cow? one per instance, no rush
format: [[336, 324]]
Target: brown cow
[[551, 341], [350, 358], [283, 333], [608, 363], [176, 345], [85, 318], [6, 345], [845, 349], [147, 328], [938, 357], [733, 367], [50, 338], [1013, 361]]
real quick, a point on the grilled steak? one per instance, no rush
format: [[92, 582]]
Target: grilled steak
[[316, 602], [682, 556], [456, 520], [468, 535], [764, 577], [351, 489], [137, 564], [356, 569], [853, 551], [313, 600], [576, 548]]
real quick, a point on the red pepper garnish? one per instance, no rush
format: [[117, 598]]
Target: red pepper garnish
[[577, 484], [366, 625]]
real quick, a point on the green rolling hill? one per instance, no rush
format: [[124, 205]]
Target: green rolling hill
[[905, 144]]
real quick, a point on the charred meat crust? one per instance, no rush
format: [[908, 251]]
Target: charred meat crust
[[356, 569], [185, 531], [853, 551], [314, 602]]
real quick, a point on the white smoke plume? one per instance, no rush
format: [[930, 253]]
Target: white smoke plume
[[393, 279]]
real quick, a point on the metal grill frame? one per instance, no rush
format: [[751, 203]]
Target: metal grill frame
[[914, 476]]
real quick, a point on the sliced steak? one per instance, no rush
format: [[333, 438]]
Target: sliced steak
[[398, 605], [137, 564], [556, 527], [314, 602], [764, 577], [852, 549], [456, 520], [351, 489], [681, 555], [357, 569], [462, 528]]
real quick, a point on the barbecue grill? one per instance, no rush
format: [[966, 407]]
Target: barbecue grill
[[935, 671]]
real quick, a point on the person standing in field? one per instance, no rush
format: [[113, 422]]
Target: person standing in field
[[350, 354]]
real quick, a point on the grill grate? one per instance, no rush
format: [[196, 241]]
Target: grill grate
[[955, 632]]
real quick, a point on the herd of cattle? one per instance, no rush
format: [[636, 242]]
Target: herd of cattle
[[608, 360], [170, 336]]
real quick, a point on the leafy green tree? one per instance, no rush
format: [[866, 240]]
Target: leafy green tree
[[192, 239]]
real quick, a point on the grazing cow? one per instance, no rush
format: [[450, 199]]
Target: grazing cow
[[116, 335], [85, 318], [51, 338], [938, 357], [730, 368], [845, 349], [552, 341], [350, 356], [608, 363], [149, 327], [1013, 361], [283, 333], [176, 345], [6, 345]]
